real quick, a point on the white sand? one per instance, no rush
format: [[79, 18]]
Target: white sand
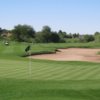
[[72, 54]]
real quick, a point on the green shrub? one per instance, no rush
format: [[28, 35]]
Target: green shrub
[[73, 40]]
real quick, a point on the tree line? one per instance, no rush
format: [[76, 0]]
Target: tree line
[[26, 33]]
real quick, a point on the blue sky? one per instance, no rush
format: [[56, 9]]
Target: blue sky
[[74, 16]]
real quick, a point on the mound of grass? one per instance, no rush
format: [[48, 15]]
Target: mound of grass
[[18, 49], [98, 53]]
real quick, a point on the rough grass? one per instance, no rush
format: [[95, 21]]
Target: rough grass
[[49, 80], [18, 49], [98, 53]]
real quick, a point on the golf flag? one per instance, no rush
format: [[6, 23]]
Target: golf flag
[[27, 48]]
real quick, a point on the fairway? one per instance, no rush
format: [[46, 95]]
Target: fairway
[[48, 80]]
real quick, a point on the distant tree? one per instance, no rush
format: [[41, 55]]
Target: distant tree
[[54, 37], [47, 36], [0, 32], [76, 35], [23, 33], [97, 36], [44, 35], [3, 34], [39, 37], [97, 33], [88, 38], [46, 29], [62, 34], [70, 35]]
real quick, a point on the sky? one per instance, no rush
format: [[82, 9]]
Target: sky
[[75, 16]]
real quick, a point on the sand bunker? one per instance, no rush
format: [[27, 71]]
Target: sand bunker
[[72, 54]]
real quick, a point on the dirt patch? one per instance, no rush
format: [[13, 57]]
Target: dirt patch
[[72, 54]]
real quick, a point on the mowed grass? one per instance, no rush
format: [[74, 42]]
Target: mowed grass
[[49, 70], [48, 80]]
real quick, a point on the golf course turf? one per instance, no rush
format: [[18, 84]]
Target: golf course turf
[[49, 80]]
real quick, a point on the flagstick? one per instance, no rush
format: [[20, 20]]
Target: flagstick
[[30, 65]]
